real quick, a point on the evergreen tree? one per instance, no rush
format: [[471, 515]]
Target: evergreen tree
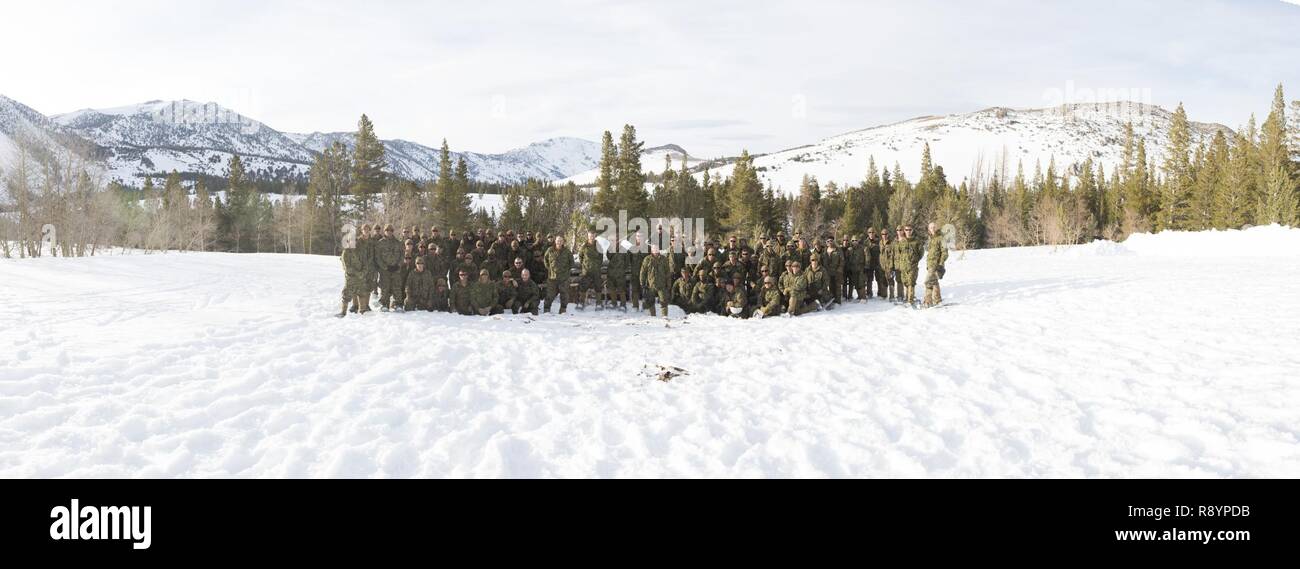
[[368, 174], [239, 208], [747, 207], [512, 214], [1211, 166], [606, 201], [807, 210], [1176, 187], [1276, 185], [630, 184]]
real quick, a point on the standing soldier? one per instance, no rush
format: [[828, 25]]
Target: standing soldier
[[855, 259], [617, 276], [873, 262], [435, 262], [885, 277], [835, 270], [388, 253], [354, 274], [405, 268], [908, 260], [654, 279], [635, 257], [769, 300], [559, 262], [366, 252], [527, 294], [590, 262], [936, 256]]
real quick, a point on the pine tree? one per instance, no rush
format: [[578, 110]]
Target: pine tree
[[368, 175], [807, 210], [239, 204], [1176, 187], [1277, 189], [630, 181], [1211, 166], [606, 201], [747, 201], [512, 213]]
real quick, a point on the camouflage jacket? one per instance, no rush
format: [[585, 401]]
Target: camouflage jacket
[[559, 262]]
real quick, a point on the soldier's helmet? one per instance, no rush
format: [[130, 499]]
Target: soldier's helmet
[[388, 227], [855, 238], [505, 274], [768, 280], [484, 273]]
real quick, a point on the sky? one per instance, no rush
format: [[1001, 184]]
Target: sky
[[713, 77]]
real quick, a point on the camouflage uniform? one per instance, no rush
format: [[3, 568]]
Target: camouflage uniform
[[590, 262], [737, 298], [907, 260], [483, 295], [366, 251], [936, 256], [885, 278], [354, 284], [526, 296], [769, 302], [796, 290], [419, 290], [818, 285], [388, 255], [834, 264], [459, 297], [681, 292], [559, 265], [855, 260], [441, 301], [704, 295], [616, 276], [873, 266], [654, 281]]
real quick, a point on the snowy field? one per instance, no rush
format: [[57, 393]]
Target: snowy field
[[1171, 355]]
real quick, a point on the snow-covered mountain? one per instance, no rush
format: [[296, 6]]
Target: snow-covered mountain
[[158, 137], [20, 124], [550, 159], [986, 139]]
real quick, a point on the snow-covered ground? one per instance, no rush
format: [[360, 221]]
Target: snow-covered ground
[[1168, 355]]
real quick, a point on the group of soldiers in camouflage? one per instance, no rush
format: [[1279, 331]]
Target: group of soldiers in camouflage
[[488, 273]]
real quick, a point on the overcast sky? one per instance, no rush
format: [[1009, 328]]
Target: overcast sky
[[714, 77]]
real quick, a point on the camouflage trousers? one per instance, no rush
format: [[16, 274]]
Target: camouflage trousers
[[855, 282], [526, 304], [883, 282], [555, 288], [799, 305], [837, 285], [388, 291], [661, 295], [635, 295], [932, 295], [908, 277]]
